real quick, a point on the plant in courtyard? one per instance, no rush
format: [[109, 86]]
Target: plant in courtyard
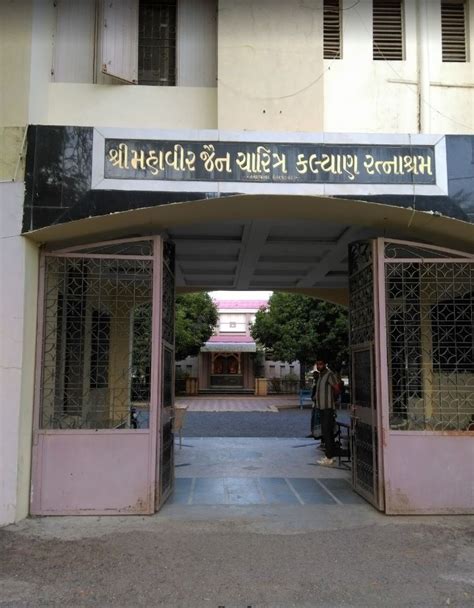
[[196, 318], [300, 328]]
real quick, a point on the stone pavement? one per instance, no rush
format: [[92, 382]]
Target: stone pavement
[[254, 522], [261, 530], [237, 403], [258, 471]]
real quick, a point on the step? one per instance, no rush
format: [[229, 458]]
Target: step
[[222, 390]]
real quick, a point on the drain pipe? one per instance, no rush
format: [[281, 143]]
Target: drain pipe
[[423, 60]]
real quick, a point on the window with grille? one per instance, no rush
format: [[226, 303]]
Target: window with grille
[[388, 30], [157, 42], [332, 29], [453, 30]]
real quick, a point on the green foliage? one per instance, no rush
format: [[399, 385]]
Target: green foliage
[[290, 377], [259, 363], [196, 317], [301, 328]]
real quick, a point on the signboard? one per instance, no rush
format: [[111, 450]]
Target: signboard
[[274, 163]]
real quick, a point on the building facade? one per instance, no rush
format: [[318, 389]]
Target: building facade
[[321, 147], [227, 361]]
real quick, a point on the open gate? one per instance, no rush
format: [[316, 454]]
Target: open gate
[[412, 352], [102, 440]]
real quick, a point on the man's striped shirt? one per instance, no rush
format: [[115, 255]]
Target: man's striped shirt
[[324, 394]]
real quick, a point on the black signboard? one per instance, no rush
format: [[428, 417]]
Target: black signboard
[[304, 163]]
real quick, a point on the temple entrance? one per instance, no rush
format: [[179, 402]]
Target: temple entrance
[[103, 434], [226, 371]]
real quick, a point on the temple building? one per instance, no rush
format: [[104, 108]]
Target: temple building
[[227, 362]]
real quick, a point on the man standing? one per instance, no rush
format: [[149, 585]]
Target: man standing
[[325, 391]]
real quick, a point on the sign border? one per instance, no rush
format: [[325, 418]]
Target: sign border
[[100, 182]]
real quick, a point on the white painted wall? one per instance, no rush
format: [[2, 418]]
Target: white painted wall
[[18, 303], [270, 62], [271, 73]]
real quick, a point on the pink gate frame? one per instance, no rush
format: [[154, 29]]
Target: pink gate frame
[[420, 472], [104, 471]]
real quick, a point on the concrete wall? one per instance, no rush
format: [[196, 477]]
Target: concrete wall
[[131, 106], [269, 59], [271, 75], [15, 55], [18, 304]]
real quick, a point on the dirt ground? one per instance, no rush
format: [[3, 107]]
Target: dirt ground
[[239, 557]]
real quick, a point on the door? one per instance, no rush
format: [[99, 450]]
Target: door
[[365, 431], [96, 394], [165, 451]]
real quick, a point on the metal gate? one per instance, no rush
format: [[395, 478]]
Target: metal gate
[[366, 470], [412, 352], [427, 331], [98, 401]]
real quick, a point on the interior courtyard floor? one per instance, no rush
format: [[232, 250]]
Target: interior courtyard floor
[[257, 471]]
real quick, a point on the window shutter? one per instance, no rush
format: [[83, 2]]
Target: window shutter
[[332, 29], [196, 55], [388, 30], [453, 31], [120, 39], [74, 41]]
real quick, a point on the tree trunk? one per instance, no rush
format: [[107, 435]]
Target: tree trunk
[[302, 374]]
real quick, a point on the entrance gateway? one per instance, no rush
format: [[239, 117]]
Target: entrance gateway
[[103, 440]]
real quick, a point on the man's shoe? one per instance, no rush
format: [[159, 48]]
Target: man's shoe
[[327, 462], [310, 436]]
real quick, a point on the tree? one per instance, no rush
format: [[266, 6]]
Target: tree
[[301, 328], [196, 317]]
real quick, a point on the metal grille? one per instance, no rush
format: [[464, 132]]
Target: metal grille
[[364, 438], [430, 320], [166, 459], [361, 282], [131, 248], [168, 293], [90, 341], [157, 43], [453, 30], [387, 29], [332, 29], [168, 365], [362, 335]]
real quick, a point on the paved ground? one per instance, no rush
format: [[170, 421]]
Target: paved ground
[[254, 522], [237, 403], [264, 557], [247, 417]]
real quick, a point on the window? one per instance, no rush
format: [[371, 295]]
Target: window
[[148, 42], [453, 31], [388, 30], [332, 29], [157, 42]]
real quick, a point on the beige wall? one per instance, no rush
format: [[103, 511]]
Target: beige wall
[[131, 106], [269, 58], [15, 53], [18, 305], [271, 76]]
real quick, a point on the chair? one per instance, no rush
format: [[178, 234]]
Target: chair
[[178, 421], [305, 397]]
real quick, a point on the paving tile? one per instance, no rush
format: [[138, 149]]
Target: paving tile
[[209, 491], [310, 492], [182, 491], [343, 491], [277, 491], [243, 491]]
